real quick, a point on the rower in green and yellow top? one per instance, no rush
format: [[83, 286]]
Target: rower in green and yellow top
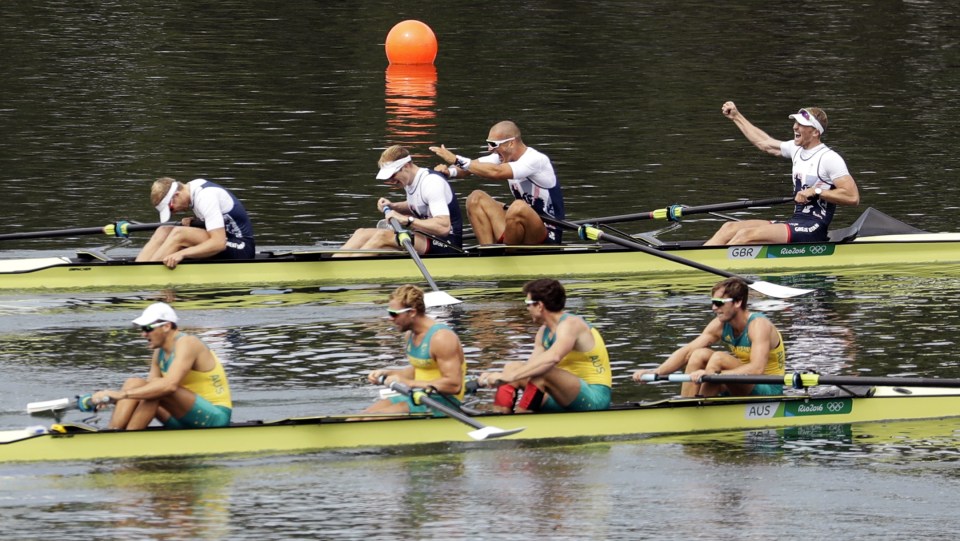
[[437, 362], [755, 346], [187, 386], [569, 369]]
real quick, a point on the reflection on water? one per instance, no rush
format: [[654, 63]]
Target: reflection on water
[[411, 92]]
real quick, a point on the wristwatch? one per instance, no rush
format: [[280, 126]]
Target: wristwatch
[[410, 220], [816, 194]]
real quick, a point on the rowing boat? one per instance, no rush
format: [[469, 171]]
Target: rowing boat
[[677, 416], [875, 240]]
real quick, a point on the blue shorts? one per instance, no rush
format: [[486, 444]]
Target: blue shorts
[[423, 408], [591, 398], [203, 414], [238, 249], [805, 230]]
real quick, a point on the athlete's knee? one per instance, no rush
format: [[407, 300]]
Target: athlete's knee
[[133, 383], [476, 197], [698, 359]]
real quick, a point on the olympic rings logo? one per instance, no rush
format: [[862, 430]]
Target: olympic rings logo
[[835, 407], [818, 249]]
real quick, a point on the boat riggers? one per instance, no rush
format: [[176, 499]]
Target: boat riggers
[[588, 232], [675, 212], [802, 380]]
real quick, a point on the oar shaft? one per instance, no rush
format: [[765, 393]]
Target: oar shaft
[[675, 212], [118, 229], [422, 397], [407, 241], [802, 380]]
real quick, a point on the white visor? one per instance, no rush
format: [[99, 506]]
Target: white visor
[[163, 207], [390, 168], [806, 118], [158, 311]]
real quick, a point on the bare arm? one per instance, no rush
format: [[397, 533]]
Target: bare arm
[[541, 361], [755, 135], [678, 359], [494, 171]]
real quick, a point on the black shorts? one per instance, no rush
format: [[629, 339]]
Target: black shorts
[[803, 230], [435, 247], [238, 249]]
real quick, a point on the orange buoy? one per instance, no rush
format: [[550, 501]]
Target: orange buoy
[[411, 42]]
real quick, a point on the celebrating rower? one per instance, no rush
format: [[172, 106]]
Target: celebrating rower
[[821, 181], [187, 386], [221, 228], [431, 208], [755, 344], [569, 369], [530, 177], [435, 354]]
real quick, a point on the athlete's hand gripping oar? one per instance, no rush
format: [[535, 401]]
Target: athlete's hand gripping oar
[[675, 212], [56, 407], [592, 233], [482, 431], [119, 229], [435, 297]]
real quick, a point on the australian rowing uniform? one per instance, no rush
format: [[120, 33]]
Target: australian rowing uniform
[[425, 369], [740, 348], [593, 369], [213, 405], [430, 195], [817, 167], [216, 207], [535, 182]]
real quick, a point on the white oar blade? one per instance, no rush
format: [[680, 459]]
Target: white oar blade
[[48, 406], [439, 298], [781, 292], [491, 432]]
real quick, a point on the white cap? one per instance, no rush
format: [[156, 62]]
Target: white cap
[[158, 311], [806, 118], [164, 205], [390, 168]]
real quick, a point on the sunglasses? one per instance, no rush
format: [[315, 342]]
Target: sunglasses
[[494, 144], [530, 302], [805, 114], [394, 313], [720, 302], [149, 328]]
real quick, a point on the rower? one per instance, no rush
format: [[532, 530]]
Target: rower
[[431, 210], [186, 388], [821, 181], [437, 362], [530, 176], [220, 230], [755, 346], [569, 369]]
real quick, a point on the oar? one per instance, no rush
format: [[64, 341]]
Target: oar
[[119, 229], [56, 407], [675, 212], [482, 431], [592, 233], [802, 380], [435, 297]]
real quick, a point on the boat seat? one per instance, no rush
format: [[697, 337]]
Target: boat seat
[[93, 255]]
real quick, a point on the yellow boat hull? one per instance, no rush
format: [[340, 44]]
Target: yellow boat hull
[[318, 267], [669, 417]]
